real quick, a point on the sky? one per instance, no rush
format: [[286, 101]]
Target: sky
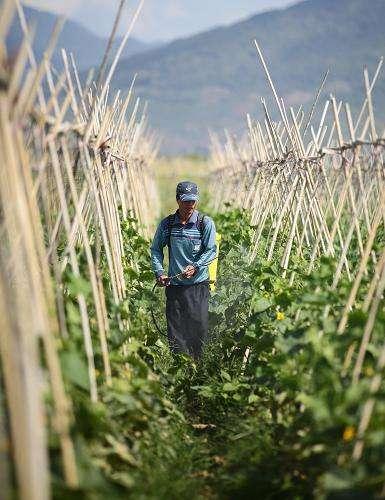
[[160, 20]]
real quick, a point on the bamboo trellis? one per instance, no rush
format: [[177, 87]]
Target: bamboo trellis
[[316, 194], [74, 163]]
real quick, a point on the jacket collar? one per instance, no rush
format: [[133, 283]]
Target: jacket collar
[[192, 220]]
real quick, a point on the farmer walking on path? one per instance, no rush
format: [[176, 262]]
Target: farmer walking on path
[[191, 241]]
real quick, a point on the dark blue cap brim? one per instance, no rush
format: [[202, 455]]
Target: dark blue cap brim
[[189, 197]]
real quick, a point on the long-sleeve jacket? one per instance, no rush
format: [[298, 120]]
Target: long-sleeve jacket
[[187, 247]]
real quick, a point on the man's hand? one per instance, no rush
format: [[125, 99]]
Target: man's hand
[[189, 272], [163, 280]]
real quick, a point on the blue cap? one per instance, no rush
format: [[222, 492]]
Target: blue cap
[[187, 191]]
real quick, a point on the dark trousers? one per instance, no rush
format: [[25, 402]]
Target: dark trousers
[[187, 311]]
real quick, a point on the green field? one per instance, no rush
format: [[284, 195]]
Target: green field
[[171, 170]]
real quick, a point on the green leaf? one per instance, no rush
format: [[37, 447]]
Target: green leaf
[[260, 304], [336, 481], [225, 376], [316, 299], [230, 387], [357, 318], [204, 390], [283, 299], [79, 286], [73, 314], [121, 449], [75, 369], [131, 273], [316, 405]]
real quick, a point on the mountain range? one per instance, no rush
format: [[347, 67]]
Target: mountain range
[[87, 47], [211, 80], [162, 19]]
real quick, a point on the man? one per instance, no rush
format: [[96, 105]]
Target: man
[[190, 238]]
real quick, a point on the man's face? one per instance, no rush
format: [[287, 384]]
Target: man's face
[[186, 208]]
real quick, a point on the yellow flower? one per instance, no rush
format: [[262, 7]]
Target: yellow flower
[[280, 316], [349, 433]]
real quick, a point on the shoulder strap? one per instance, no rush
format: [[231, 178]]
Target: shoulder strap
[[170, 223], [200, 223]]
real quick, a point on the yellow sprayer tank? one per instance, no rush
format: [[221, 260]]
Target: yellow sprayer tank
[[213, 267]]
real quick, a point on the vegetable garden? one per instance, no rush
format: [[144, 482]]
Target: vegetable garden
[[288, 400]]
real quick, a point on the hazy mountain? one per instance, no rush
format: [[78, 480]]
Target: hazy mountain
[[168, 19], [87, 47], [212, 79]]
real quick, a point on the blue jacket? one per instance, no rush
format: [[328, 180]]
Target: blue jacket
[[187, 248]]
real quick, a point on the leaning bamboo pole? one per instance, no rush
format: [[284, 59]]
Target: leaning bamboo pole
[[74, 162]]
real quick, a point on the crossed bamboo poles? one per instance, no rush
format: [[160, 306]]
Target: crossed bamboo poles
[[316, 194], [75, 162]]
